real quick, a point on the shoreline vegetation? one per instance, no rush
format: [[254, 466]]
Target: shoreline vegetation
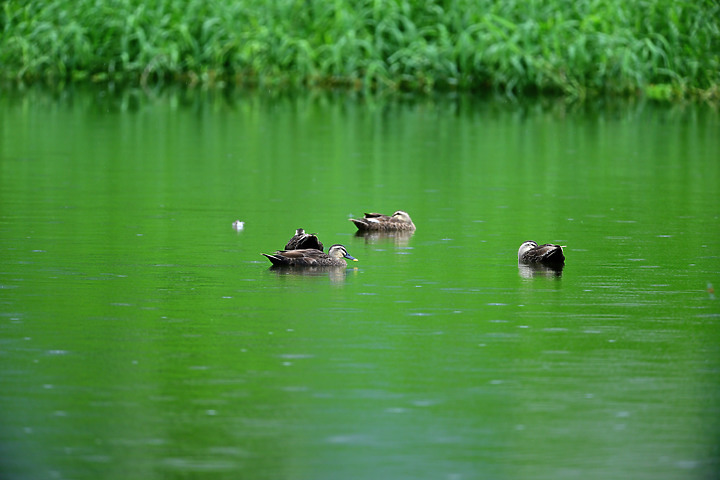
[[665, 50]]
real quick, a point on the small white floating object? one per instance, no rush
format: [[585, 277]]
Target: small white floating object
[[238, 225]]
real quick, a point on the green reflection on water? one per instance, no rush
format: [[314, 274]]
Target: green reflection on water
[[143, 337]]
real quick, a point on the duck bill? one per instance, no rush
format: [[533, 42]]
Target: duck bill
[[348, 256]]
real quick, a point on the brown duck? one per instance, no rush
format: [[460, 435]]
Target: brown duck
[[311, 257], [548, 254], [303, 240], [377, 222]]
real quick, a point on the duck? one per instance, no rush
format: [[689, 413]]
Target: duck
[[548, 254], [399, 220], [302, 240], [311, 257]]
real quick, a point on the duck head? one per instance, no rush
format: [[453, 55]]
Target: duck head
[[402, 216], [525, 247], [339, 251]]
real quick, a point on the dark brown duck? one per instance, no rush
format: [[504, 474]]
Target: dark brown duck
[[302, 240], [548, 254]]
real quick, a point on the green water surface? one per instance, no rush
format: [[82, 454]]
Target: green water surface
[[141, 336]]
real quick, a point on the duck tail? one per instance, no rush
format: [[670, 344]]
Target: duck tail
[[360, 224], [275, 259], [555, 256]]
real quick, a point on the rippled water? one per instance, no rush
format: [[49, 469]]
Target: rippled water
[[143, 337]]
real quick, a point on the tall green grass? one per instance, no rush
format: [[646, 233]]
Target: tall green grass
[[579, 48]]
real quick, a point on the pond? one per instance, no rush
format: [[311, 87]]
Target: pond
[[144, 337]]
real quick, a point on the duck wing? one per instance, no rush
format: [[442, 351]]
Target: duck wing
[[549, 253], [294, 242], [307, 256], [301, 253], [304, 241], [310, 241], [377, 216]]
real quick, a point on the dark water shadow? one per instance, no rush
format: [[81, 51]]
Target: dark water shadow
[[400, 238], [532, 271], [336, 274]]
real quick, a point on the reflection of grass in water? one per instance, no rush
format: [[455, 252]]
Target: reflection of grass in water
[[577, 47]]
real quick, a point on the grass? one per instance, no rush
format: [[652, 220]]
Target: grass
[[663, 49]]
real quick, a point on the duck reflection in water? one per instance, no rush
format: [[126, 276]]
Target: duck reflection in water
[[335, 274], [400, 238], [531, 271]]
